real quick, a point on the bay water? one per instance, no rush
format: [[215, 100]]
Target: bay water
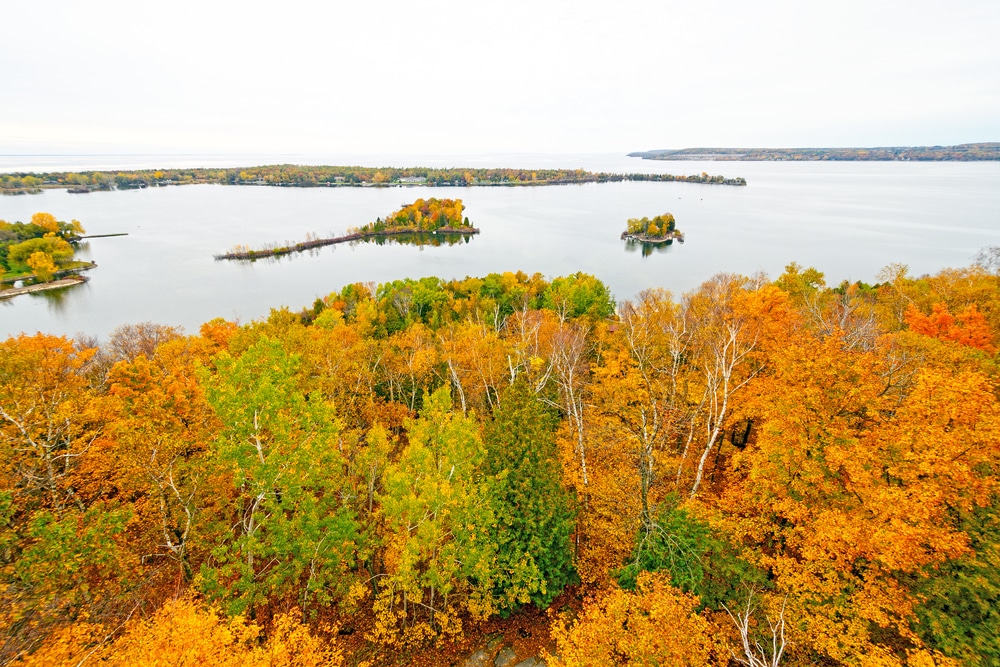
[[847, 219]]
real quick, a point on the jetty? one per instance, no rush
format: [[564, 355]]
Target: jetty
[[41, 287], [252, 254]]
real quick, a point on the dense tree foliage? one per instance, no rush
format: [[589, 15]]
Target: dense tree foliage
[[37, 247], [660, 226], [423, 215], [533, 514], [758, 472]]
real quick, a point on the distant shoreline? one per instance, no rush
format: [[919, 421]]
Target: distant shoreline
[[981, 152], [304, 176]]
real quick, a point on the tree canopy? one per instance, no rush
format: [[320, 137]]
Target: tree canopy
[[755, 472]]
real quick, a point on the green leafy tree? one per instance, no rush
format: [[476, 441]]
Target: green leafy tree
[[802, 284], [439, 558], [291, 534], [579, 295], [64, 554], [58, 249]]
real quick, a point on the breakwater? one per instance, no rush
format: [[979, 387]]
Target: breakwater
[[41, 287], [252, 254]]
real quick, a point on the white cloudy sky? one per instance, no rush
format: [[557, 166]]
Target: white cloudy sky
[[448, 76]]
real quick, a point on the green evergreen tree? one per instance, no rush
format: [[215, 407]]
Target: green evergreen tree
[[960, 612], [698, 560], [533, 513]]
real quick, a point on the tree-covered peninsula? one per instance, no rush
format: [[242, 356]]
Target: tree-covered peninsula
[[424, 216], [287, 175], [39, 249]]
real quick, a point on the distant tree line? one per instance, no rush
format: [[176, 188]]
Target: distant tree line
[[960, 153]]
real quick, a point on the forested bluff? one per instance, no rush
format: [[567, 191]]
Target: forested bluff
[[757, 472], [961, 153]]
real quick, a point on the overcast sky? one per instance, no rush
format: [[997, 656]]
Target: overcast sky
[[471, 76]]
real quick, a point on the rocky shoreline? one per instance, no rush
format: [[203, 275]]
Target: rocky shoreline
[[642, 238]]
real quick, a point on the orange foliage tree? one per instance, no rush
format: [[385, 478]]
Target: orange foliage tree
[[968, 328], [855, 483]]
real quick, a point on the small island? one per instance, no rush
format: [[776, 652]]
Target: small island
[[423, 217], [659, 229], [651, 235], [36, 253]]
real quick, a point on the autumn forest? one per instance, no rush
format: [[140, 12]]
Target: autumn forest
[[758, 472]]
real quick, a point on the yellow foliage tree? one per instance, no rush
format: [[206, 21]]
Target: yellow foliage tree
[[43, 266], [655, 625], [46, 221], [186, 633]]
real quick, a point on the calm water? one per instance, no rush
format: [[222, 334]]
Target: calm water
[[846, 219]]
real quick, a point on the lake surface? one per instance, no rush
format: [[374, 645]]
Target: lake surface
[[848, 220]]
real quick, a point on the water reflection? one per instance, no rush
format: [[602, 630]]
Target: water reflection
[[420, 239], [58, 300], [646, 247]]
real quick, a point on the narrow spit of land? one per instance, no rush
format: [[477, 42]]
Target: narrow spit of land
[[424, 216], [42, 287], [287, 175]]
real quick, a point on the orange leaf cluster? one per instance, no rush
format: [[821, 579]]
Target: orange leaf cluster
[[968, 328]]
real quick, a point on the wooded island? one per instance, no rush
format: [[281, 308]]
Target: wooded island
[[38, 251], [659, 229]]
